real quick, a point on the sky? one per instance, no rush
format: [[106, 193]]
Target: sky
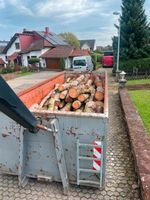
[[87, 19]]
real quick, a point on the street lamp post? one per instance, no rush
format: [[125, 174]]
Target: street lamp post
[[118, 50]]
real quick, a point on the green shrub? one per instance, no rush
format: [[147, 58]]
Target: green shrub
[[3, 71], [24, 69], [141, 65], [62, 64], [33, 60]]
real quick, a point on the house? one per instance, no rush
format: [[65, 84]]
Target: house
[[89, 45], [31, 44], [45, 45], [3, 44], [53, 56]]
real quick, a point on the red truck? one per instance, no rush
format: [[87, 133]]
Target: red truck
[[108, 59]]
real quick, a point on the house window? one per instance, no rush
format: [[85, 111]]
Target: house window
[[28, 57], [6, 58], [33, 56], [17, 45]]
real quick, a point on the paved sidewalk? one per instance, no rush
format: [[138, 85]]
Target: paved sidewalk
[[24, 82], [121, 182]]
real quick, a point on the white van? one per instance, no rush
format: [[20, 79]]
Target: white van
[[82, 63]]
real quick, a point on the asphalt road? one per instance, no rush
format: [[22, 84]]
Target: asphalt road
[[24, 82]]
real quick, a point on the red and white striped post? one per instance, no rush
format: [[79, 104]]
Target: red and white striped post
[[97, 152]]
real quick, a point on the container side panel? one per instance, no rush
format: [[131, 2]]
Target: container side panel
[[9, 145]]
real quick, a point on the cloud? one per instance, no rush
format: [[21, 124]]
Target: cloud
[[21, 7], [2, 4], [67, 9]]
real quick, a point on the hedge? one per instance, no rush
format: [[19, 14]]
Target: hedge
[[129, 66]]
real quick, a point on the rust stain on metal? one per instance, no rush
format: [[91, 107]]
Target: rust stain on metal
[[4, 135], [71, 131]]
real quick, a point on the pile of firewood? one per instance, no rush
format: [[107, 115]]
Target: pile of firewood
[[82, 94]]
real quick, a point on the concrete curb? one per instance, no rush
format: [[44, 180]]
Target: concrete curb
[[140, 143]]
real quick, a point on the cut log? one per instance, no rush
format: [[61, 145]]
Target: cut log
[[63, 87], [45, 100], [54, 102], [90, 107], [89, 83], [62, 104], [76, 104], [83, 97], [98, 82], [74, 92], [56, 86], [51, 104], [99, 107], [63, 94], [68, 99], [99, 94], [80, 109], [67, 107]]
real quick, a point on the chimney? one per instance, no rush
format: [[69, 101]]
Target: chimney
[[24, 30], [46, 30]]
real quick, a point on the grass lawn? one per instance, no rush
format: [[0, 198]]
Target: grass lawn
[[135, 82], [141, 99], [25, 73]]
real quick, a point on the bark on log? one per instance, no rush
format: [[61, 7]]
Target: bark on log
[[63, 94], [67, 107], [90, 107], [68, 99], [99, 107], [98, 82], [62, 104], [63, 87]]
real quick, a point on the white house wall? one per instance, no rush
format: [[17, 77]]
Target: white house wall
[[13, 49], [25, 56], [3, 57], [85, 46], [34, 53]]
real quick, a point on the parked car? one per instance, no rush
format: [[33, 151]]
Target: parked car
[[108, 59], [82, 63]]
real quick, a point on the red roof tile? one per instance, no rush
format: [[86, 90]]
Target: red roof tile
[[13, 56], [75, 53], [58, 52]]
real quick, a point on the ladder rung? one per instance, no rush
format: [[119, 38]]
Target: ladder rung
[[89, 170], [89, 182], [88, 158], [90, 145]]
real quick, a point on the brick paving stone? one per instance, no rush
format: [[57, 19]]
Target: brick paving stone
[[121, 181]]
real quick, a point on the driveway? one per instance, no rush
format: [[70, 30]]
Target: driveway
[[24, 82]]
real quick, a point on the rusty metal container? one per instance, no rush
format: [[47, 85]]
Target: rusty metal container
[[66, 153]]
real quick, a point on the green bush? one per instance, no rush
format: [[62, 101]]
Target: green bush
[[33, 60], [141, 65], [3, 71], [62, 64], [24, 69]]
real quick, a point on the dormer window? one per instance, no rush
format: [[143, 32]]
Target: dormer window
[[17, 45]]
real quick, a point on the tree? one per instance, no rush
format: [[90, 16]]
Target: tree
[[115, 46], [71, 39], [134, 30]]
